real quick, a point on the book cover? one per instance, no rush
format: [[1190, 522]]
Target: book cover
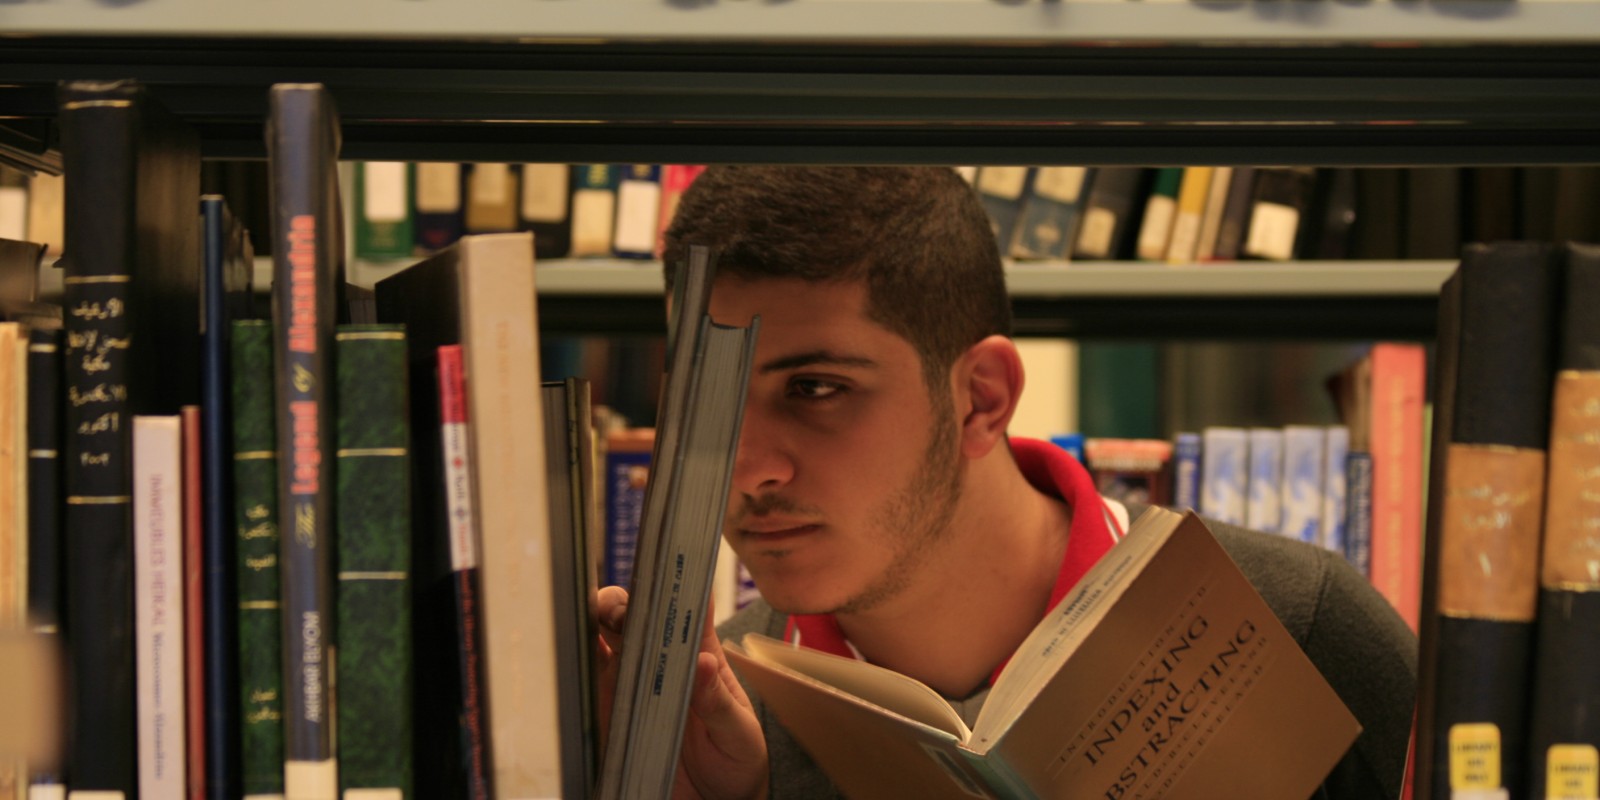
[[1398, 375], [1160, 209], [1264, 485], [469, 774], [545, 208], [1302, 482], [492, 199], [159, 589], [708, 370], [132, 298], [438, 205], [1162, 674], [1111, 213], [383, 202], [480, 294], [259, 701], [1051, 211], [638, 215], [373, 475], [227, 261], [1234, 224], [1563, 729], [303, 149], [570, 469], [1491, 427], [1211, 218], [1224, 474], [594, 209]]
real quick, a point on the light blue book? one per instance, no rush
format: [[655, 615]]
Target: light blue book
[[1302, 482], [1225, 459], [1186, 471], [1335, 454], [1264, 506]]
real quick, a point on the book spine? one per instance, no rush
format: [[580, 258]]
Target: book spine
[[1003, 192], [255, 518], [383, 228], [1224, 476], [1110, 219], [1047, 226], [374, 555], [1398, 375], [194, 605], [1302, 483], [1335, 490], [1564, 722], [1491, 518], [1186, 471], [1277, 212], [159, 593], [1160, 209], [1184, 242], [545, 208], [438, 217], [14, 500], [638, 211], [627, 474], [491, 199], [98, 149], [1358, 511], [456, 455], [1264, 487], [302, 148], [44, 481], [594, 209]]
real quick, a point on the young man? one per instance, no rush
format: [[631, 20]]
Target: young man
[[878, 502]]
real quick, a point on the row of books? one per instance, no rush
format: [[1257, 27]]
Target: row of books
[[228, 510], [1508, 694], [1200, 214]]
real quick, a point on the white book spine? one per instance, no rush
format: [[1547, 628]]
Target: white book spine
[[1225, 458], [1302, 482], [158, 603], [1335, 452], [1263, 510], [638, 211]]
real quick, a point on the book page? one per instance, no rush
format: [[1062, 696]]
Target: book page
[[886, 688], [1060, 633]]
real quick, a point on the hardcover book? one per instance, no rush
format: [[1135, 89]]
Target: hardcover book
[[545, 208], [1564, 728], [1002, 191], [638, 211], [627, 472], [491, 199], [308, 267], [439, 209], [1047, 224], [594, 209], [1335, 452], [1162, 674], [1224, 476], [383, 226], [132, 294], [1111, 213], [1302, 482], [1491, 429], [1264, 485], [159, 591], [373, 475], [708, 369]]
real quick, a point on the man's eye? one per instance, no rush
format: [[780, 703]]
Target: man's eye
[[814, 389]]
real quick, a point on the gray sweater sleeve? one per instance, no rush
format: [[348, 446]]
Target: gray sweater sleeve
[[1358, 642]]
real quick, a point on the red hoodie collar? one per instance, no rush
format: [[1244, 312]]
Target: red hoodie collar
[[1050, 470]]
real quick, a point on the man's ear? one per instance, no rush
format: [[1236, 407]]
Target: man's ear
[[988, 383]]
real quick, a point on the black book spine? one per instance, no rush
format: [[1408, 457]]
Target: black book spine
[[1564, 724], [220, 286], [1486, 587], [131, 324], [302, 148]]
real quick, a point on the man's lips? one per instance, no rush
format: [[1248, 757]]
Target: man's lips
[[774, 530]]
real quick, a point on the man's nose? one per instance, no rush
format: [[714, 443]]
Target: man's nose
[[762, 464]]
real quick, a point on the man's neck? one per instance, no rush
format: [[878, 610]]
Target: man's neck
[[974, 600]]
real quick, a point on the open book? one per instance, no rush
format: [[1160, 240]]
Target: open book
[[1162, 674]]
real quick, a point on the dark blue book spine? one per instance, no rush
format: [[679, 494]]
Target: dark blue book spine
[[625, 483], [1186, 471], [1358, 514]]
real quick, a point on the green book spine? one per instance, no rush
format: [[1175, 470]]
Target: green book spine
[[255, 481], [383, 213], [374, 555]]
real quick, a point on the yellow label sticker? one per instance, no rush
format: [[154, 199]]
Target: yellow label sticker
[[1572, 772], [1475, 756]]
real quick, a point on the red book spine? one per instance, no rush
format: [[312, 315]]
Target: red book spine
[[675, 179], [194, 604], [1399, 372]]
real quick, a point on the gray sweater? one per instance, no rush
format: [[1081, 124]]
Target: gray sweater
[[1350, 632]]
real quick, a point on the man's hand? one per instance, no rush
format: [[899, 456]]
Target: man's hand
[[724, 753]]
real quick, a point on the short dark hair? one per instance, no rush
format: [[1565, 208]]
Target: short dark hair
[[916, 236]]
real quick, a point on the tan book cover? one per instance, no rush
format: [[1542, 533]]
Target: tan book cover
[[1163, 674]]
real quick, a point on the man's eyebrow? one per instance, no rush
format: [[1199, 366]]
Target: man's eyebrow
[[815, 358]]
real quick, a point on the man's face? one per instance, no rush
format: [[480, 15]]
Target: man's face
[[848, 471]]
